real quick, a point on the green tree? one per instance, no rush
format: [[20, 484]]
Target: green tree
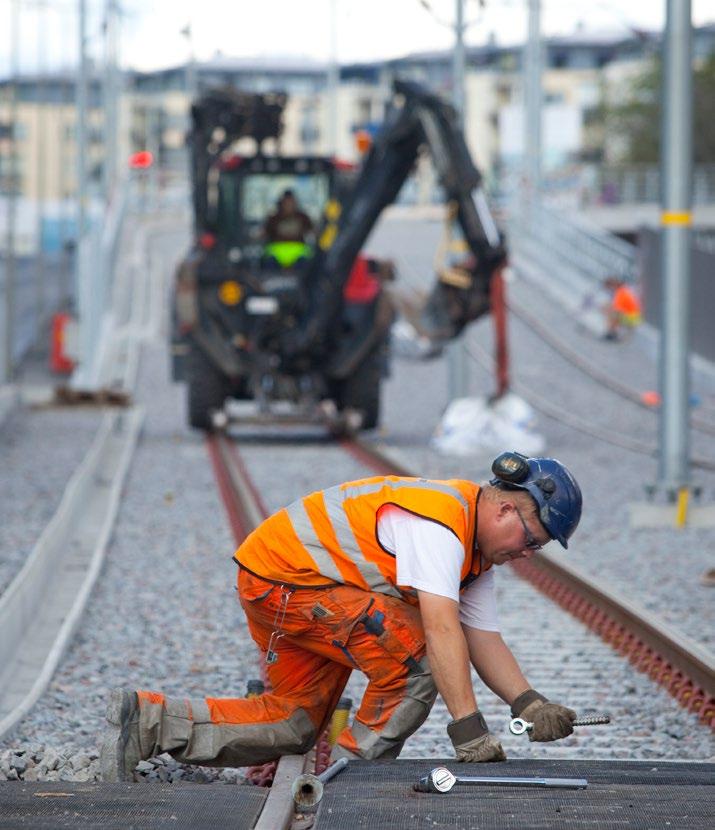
[[636, 118]]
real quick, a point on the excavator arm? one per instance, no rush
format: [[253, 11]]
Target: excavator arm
[[415, 119], [220, 117]]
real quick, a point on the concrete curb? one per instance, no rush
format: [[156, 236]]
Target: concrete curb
[[43, 605]]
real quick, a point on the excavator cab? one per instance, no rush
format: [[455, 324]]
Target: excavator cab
[[246, 281]]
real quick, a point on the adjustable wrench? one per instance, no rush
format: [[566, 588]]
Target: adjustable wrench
[[441, 780], [518, 726]]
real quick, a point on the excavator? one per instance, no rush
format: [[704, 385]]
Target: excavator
[[307, 320]]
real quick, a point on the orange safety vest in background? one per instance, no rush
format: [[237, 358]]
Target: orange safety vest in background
[[626, 303], [330, 536]]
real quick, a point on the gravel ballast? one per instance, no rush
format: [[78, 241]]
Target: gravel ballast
[[164, 614]]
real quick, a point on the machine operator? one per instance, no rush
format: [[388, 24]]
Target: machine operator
[[288, 223], [390, 576]]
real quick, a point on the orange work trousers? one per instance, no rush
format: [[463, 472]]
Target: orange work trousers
[[318, 637]]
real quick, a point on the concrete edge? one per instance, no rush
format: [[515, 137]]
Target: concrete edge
[[278, 808], [53, 538]]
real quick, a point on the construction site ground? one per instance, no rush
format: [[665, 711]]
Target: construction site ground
[[379, 795]]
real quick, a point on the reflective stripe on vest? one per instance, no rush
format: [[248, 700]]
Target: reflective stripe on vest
[[331, 535]]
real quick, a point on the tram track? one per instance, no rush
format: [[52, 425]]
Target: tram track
[[679, 665]]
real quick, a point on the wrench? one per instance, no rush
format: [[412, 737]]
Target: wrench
[[518, 726], [441, 780]]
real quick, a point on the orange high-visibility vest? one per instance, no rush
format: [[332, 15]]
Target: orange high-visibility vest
[[625, 301], [330, 536]]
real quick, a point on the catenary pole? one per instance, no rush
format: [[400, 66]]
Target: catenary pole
[[333, 81], [457, 360], [7, 364], [81, 140], [533, 103], [676, 221], [41, 162]]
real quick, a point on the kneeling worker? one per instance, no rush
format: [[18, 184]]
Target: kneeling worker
[[391, 576]]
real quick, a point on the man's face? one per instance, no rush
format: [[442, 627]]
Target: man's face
[[512, 535], [288, 205]]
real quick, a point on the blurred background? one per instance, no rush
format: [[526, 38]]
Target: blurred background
[[95, 102]]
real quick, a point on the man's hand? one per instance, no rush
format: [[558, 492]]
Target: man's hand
[[551, 721], [472, 741]]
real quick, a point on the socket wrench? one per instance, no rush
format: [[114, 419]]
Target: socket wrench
[[441, 780]]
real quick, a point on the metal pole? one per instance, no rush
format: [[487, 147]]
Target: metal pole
[[533, 104], [676, 220], [82, 286], [8, 363], [333, 80], [109, 168], [41, 160], [81, 140], [457, 380], [191, 75]]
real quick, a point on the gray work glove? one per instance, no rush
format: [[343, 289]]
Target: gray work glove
[[472, 741], [551, 720]]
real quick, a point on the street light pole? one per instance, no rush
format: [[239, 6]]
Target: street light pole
[[8, 364], [333, 80], [532, 70], [41, 161], [457, 381], [676, 221]]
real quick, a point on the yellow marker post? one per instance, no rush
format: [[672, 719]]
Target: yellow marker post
[[682, 511], [670, 217]]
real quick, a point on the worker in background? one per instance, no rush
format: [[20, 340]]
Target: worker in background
[[393, 577], [288, 223], [623, 310]]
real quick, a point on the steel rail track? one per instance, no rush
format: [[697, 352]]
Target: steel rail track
[[588, 368], [684, 668], [246, 510]]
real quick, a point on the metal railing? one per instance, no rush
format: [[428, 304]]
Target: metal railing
[[564, 243]]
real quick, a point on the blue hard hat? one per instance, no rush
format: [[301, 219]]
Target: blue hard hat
[[549, 483]]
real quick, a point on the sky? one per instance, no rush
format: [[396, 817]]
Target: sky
[[365, 30]]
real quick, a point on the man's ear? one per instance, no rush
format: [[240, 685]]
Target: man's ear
[[505, 509]]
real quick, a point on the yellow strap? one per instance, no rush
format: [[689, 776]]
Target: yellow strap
[[668, 217]]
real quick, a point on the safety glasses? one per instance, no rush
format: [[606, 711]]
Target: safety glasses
[[530, 543]]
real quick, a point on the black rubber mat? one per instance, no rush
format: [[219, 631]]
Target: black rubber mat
[[129, 806], [619, 795]]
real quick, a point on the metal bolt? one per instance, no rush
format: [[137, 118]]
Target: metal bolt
[[518, 726]]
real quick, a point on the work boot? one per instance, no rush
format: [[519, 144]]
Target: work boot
[[120, 752]]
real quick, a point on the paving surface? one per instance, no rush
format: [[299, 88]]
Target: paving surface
[[379, 795], [128, 806]]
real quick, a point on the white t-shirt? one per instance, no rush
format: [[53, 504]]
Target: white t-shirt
[[429, 558]]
